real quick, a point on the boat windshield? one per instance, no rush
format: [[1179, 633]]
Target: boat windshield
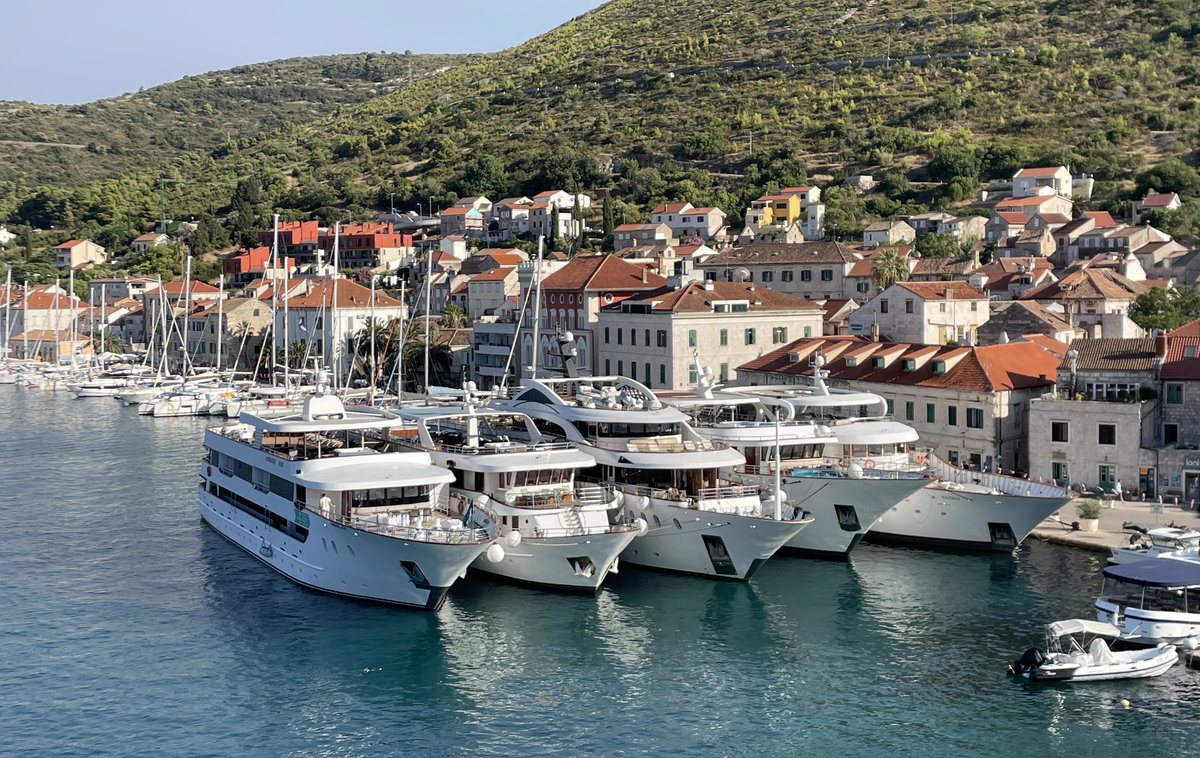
[[1151, 598], [1175, 543]]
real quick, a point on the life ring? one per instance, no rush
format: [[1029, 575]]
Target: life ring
[[869, 463], [210, 470], [920, 459]]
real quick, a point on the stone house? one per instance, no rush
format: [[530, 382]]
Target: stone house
[[808, 270], [1005, 224], [487, 291], [653, 336], [1030, 181], [964, 228], [1160, 201], [925, 313], [74, 254], [888, 233], [635, 235], [1021, 318]]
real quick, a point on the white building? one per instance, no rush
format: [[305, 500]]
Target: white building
[[924, 313], [310, 317]]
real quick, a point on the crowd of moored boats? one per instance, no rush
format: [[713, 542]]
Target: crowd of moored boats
[[562, 481]]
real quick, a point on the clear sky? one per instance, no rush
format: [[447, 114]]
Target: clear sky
[[75, 51]]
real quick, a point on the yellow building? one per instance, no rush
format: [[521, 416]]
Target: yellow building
[[769, 210]]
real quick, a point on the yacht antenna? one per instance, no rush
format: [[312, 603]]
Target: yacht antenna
[[537, 309], [335, 352]]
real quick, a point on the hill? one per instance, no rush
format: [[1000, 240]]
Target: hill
[[717, 101], [68, 145]]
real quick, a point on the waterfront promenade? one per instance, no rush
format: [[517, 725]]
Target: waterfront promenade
[[1111, 534]]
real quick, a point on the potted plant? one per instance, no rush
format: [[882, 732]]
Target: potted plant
[[1089, 515]]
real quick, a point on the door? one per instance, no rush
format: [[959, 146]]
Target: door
[[1191, 486], [1146, 481], [1058, 471]]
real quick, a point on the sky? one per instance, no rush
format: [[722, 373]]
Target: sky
[[76, 51]]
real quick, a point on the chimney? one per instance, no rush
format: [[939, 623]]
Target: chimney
[[974, 257], [643, 274], [1160, 345], [874, 332]]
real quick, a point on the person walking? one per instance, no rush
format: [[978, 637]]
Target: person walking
[[1118, 493]]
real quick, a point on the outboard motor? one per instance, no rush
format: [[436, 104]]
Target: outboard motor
[[1030, 660]]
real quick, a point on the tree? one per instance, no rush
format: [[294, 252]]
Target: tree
[[954, 161], [485, 175], [890, 267], [939, 246], [453, 317], [1166, 309], [552, 238], [1170, 176], [610, 222]]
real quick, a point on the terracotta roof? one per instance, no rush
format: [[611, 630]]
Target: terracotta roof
[[176, 287], [48, 335], [1054, 218], [1190, 329], [68, 244], [1089, 284], [440, 256], [1039, 173], [862, 268], [830, 308], [1015, 365], [460, 287], [803, 252], [793, 190], [148, 237], [939, 290], [457, 211], [1013, 311], [40, 301], [694, 297], [931, 266], [670, 208], [454, 337], [1103, 219], [1113, 354], [602, 272], [1013, 217], [1160, 200], [712, 209], [548, 193], [1024, 202], [1179, 364], [498, 274], [350, 294]]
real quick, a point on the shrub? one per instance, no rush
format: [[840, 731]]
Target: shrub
[[1088, 509]]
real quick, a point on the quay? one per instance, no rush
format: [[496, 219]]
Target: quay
[[1113, 516]]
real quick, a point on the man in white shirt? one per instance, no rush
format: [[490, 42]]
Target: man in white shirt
[[326, 505]]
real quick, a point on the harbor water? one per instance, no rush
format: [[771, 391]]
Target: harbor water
[[128, 627]]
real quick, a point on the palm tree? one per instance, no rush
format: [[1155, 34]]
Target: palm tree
[[890, 267], [242, 331], [453, 317]]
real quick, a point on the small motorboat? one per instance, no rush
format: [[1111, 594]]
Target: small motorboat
[[1077, 650], [1155, 541]]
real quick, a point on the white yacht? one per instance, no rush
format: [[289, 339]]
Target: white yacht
[[555, 531], [844, 504], [962, 509], [324, 497], [1153, 601], [698, 521], [1156, 541]]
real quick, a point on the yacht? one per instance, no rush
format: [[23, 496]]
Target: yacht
[[324, 495], [1156, 541], [555, 530], [1153, 601], [954, 507], [698, 521], [765, 429]]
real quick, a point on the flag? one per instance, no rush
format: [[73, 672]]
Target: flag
[[303, 328], [1143, 497]]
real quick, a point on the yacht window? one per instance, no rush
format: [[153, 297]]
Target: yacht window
[[534, 395], [860, 451], [874, 450]]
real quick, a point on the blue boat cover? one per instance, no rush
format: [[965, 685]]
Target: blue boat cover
[[1157, 572]]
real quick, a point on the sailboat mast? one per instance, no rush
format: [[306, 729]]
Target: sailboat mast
[[103, 323], [220, 320], [336, 350], [274, 297], [166, 331], [7, 315], [371, 335], [71, 325], [429, 284], [286, 362], [400, 353], [25, 335], [537, 309], [187, 317]]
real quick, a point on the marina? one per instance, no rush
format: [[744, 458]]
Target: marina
[[203, 644]]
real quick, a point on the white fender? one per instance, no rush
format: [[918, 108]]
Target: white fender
[[642, 527], [495, 553], [513, 538]]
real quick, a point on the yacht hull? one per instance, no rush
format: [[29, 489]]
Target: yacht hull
[[938, 518], [706, 543], [564, 564], [844, 511], [344, 561]]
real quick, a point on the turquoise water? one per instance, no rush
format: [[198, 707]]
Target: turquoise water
[[127, 627]]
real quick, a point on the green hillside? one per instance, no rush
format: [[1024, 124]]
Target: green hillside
[[73, 144], [660, 101]]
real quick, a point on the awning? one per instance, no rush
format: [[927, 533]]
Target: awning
[[1075, 626], [1160, 572]]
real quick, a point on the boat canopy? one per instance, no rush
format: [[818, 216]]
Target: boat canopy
[[390, 470], [875, 433], [1166, 573], [1077, 626]]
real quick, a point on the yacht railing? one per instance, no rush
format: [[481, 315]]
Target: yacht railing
[[400, 527], [728, 491], [586, 495], [493, 448], [652, 445]]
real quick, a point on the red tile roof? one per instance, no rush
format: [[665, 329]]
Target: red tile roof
[[1103, 219], [1014, 365], [943, 290], [1160, 200], [176, 288], [669, 208], [1024, 202], [1039, 173], [1190, 329], [1179, 364], [695, 297], [1089, 284], [602, 272], [498, 274], [803, 252], [350, 294], [1013, 217]]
